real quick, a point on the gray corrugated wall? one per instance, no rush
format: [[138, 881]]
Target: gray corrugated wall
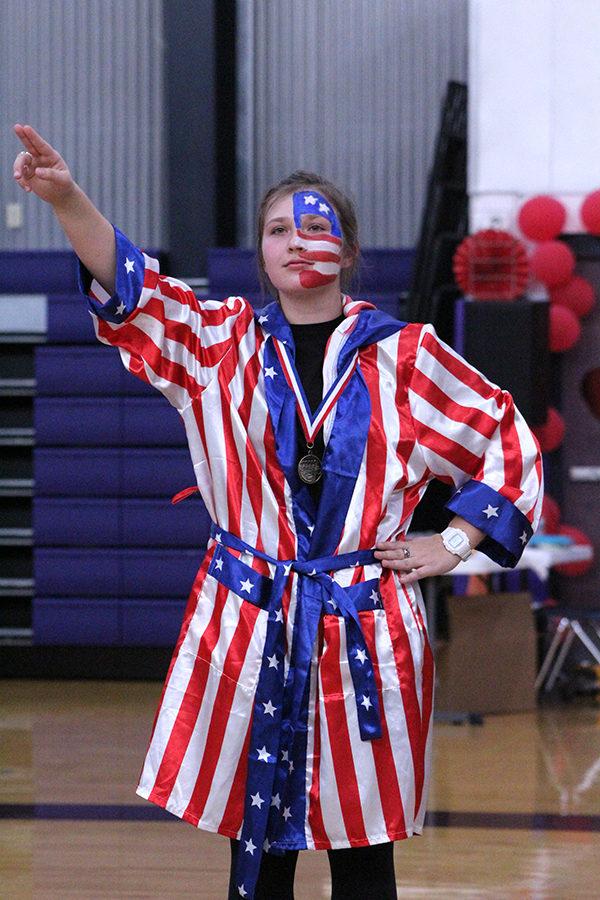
[[351, 89], [88, 75]]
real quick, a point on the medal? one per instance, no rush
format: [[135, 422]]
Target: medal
[[309, 467]]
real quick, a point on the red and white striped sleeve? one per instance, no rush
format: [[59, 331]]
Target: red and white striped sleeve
[[472, 435], [165, 335]]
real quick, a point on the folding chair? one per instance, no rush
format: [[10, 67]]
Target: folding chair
[[572, 623]]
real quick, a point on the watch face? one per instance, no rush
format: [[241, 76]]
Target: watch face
[[457, 543]]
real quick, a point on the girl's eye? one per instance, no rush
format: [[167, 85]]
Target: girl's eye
[[277, 230], [317, 226]]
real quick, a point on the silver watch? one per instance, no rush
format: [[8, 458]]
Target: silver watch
[[456, 541]]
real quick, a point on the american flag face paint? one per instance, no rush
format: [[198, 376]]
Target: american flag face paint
[[323, 249]]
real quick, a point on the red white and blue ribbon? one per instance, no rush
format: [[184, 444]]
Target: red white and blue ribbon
[[311, 426]]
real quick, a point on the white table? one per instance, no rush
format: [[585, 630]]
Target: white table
[[540, 559]]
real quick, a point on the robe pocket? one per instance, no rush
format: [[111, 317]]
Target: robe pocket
[[336, 676], [233, 638]]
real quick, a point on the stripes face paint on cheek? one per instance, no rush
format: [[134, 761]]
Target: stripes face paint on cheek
[[323, 249]]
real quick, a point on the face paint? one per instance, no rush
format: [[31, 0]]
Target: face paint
[[324, 250]]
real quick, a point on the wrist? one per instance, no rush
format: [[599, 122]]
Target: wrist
[[474, 534], [71, 198]]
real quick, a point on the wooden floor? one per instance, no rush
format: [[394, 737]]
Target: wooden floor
[[515, 806]]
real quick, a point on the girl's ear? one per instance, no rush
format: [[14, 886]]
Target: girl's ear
[[347, 258]]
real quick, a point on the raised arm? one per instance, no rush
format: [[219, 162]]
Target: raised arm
[[165, 335], [40, 169]]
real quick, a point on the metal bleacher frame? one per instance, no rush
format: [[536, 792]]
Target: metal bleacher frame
[[17, 388]]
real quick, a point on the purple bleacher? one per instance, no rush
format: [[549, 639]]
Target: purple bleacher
[[69, 320], [108, 422], [234, 269], [114, 572], [59, 620], [227, 266], [42, 271], [83, 371], [111, 471], [385, 270], [106, 622], [37, 271], [119, 522], [151, 623], [383, 277]]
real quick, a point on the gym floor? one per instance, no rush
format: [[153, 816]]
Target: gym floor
[[514, 806]]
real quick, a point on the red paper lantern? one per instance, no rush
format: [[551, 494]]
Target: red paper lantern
[[550, 514], [590, 388], [491, 265], [551, 433], [590, 212], [564, 329], [552, 262], [580, 538], [577, 295], [542, 218]]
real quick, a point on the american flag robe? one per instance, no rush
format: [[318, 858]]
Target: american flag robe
[[297, 708]]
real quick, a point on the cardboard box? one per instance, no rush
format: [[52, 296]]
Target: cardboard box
[[488, 663]]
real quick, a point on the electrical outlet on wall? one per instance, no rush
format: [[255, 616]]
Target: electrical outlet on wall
[[14, 215]]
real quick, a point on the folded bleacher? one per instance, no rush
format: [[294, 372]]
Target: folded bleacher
[[113, 560], [384, 277]]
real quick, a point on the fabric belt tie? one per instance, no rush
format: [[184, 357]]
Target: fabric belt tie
[[272, 734]]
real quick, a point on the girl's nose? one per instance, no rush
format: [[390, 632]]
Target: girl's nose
[[296, 242]]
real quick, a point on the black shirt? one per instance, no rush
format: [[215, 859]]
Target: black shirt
[[310, 341]]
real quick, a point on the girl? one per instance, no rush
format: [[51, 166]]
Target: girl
[[297, 708]]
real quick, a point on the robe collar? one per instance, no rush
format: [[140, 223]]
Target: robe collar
[[319, 530]]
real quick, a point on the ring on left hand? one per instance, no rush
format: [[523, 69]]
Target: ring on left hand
[[406, 551]]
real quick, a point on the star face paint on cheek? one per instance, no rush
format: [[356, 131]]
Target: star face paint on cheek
[[323, 250]]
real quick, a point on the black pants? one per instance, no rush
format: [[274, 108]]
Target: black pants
[[357, 873]]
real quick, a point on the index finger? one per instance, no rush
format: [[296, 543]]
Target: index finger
[[32, 140]]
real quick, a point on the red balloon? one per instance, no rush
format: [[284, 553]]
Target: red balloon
[[577, 295], [542, 218], [551, 433], [552, 262], [590, 212], [491, 265], [580, 538], [550, 514], [564, 329], [590, 388]]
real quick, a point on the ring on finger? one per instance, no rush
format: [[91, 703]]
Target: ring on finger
[[406, 551]]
